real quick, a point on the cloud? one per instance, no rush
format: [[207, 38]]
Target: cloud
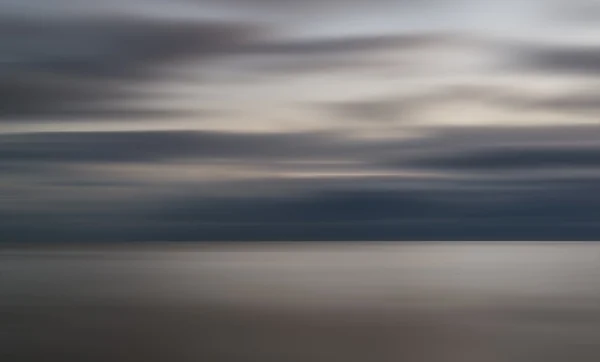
[[473, 202], [442, 183], [376, 110], [345, 45], [443, 150], [527, 158], [154, 146], [581, 100], [576, 12], [565, 212], [544, 211], [314, 6], [586, 101], [82, 66], [29, 96], [118, 46], [357, 56], [558, 59], [485, 149], [453, 138]]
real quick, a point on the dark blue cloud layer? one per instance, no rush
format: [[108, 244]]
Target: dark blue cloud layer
[[559, 213], [519, 192]]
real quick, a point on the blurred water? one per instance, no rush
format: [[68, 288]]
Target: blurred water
[[309, 302]]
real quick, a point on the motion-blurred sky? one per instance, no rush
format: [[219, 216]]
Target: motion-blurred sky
[[299, 120]]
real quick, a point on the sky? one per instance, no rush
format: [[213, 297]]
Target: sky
[[213, 120]]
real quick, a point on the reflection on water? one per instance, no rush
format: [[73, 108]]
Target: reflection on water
[[310, 302]]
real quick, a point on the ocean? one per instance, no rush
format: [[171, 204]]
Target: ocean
[[304, 302]]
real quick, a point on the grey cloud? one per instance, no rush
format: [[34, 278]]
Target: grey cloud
[[275, 6], [441, 149], [587, 101], [156, 146], [557, 149], [579, 101], [394, 108], [30, 96], [570, 60], [449, 151], [577, 12], [529, 158], [386, 110], [498, 207], [299, 65], [351, 55], [451, 137], [270, 3], [79, 66], [351, 44], [122, 47], [452, 183], [407, 107]]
